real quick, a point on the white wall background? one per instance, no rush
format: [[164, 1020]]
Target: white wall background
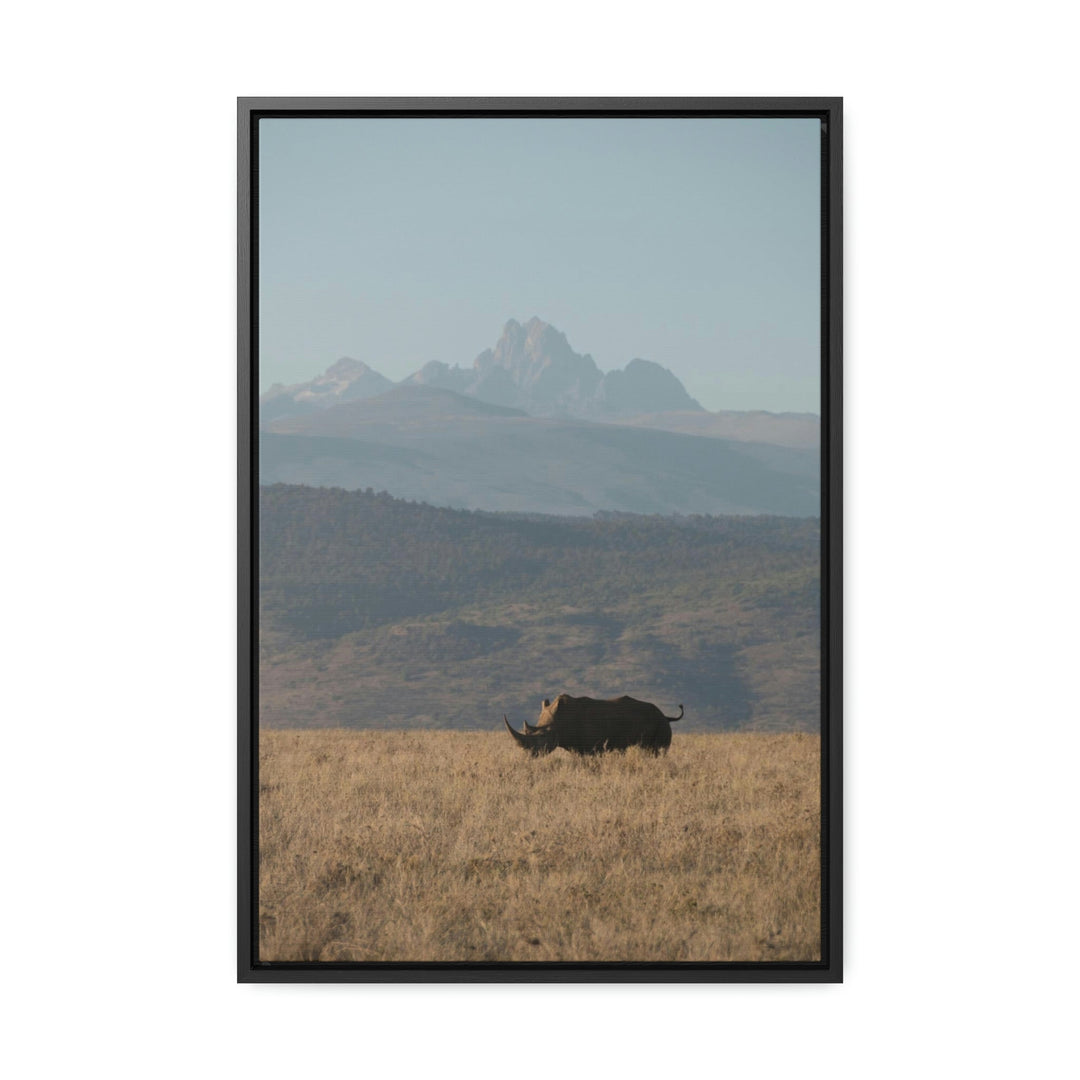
[[118, 428]]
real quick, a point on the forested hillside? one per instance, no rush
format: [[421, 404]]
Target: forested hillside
[[384, 613]]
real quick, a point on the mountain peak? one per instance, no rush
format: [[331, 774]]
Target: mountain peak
[[645, 386], [532, 367], [347, 366], [344, 380]]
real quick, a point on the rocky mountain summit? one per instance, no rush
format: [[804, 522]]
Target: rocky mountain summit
[[532, 367], [346, 380]]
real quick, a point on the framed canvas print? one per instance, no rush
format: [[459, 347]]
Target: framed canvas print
[[539, 539]]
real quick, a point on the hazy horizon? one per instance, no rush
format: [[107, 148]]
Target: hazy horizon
[[690, 242]]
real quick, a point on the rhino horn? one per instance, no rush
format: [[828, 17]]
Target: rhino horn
[[535, 741], [522, 740]]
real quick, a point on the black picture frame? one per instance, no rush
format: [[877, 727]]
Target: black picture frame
[[830, 112]]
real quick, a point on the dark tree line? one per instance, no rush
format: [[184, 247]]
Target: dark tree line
[[332, 561]]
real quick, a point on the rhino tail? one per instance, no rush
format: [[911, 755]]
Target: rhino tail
[[672, 719]]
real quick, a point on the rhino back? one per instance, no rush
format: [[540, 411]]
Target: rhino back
[[586, 724]]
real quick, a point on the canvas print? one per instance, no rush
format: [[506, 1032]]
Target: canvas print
[[539, 539]]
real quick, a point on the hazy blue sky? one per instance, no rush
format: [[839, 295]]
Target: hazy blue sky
[[691, 242]]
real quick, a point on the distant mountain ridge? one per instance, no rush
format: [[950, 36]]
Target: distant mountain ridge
[[399, 407], [797, 431], [534, 426], [422, 442], [532, 367]]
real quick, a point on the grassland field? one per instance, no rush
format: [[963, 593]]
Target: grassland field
[[437, 846]]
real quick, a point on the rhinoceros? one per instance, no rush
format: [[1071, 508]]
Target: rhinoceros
[[589, 726]]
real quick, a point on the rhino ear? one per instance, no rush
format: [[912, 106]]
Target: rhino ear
[[545, 704]]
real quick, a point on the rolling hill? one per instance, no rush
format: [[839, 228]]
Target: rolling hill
[[378, 612]]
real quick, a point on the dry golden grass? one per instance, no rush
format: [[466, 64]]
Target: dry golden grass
[[450, 846]]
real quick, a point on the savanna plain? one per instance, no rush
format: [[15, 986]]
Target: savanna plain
[[436, 846]]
